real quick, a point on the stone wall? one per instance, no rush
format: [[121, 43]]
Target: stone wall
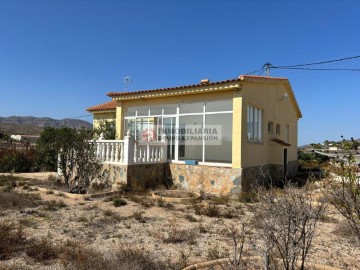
[[210, 179], [141, 174]]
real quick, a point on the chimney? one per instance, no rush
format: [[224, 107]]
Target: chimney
[[204, 81]]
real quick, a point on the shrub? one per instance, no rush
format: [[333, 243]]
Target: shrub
[[345, 195], [215, 253], [287, 220], [212, 210], [42, 250], [221, 199], [12, 240], [53, 205], [133, 258], [142, 200], [247, 196], [77, 158], [176, 235], [13, 160], [76, 256], [14, 200], [119, 202]]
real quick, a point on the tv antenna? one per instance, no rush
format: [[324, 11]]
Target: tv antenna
[[127, 81]]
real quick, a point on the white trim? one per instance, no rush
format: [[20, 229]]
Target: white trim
[[211, 164]]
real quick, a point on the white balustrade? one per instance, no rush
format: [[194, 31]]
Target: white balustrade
[[129, 152]]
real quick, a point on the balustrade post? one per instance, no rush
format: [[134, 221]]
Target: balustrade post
[[163, 150], [112, 158], [128, 149], [116, 145], [107, 152]]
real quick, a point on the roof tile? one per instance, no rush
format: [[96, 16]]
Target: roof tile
[[110, 105]]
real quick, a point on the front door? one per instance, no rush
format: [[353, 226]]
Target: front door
[[285, 163], [169, 127]]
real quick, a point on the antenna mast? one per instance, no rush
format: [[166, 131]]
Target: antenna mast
[[127, 81]]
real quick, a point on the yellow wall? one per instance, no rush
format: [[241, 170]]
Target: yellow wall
[[119, 120], [268, 97], [102, 116], [237, 130]]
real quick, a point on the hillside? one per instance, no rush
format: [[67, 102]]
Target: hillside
[[29, 125]]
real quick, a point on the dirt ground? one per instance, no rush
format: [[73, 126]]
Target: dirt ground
[[152, 228]]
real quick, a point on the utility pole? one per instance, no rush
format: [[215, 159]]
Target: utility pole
[[267, 67]]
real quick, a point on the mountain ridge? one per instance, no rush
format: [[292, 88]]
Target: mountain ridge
[[43, 122]]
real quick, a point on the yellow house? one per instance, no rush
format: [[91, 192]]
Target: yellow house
[[217, 137]]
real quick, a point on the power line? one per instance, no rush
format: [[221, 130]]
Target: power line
[[326, 69], [81, 116], [256, 71], [322, 62]]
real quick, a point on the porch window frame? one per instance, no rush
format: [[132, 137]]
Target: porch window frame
[[177, 116]]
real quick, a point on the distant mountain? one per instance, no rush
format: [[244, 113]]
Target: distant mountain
[[43, 122]]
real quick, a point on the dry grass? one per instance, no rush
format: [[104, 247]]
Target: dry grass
[[42, 250], [142, 200], [17, 201], [53, 205], [12, 240]]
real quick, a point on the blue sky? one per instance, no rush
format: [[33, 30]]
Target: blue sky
[[59, 57]]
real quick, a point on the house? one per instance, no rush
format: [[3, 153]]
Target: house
[[217, 137]]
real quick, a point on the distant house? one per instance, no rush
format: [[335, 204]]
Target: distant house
[[103, 112], [217, 137]]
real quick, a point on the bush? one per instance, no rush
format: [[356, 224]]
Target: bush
[[77, 256], [345, 195], [12, 240], [18, 201], [12, 160], [42, 250], [176, 235], [287, 220], [53, 205], [119, 202]]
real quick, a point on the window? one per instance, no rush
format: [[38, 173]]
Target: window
[[156, 110], [170, 109], [199, 130], [190, 137], [219, 105], [131, 111], [197, 107], [270, 127], [277, 129], [254, 124], [218, 146], [143, 111]]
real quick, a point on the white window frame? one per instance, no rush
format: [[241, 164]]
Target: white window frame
[[203, 113], [254, 124]]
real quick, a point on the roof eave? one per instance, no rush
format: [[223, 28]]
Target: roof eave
[[177, 91]]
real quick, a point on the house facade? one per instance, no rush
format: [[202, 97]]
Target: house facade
[[218, 137]]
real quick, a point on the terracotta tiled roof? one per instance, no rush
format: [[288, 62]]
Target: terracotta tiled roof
[[205, 83], [110, 105], [240, 78], [113, 94]]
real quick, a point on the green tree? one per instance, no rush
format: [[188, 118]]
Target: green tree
[[72, 151], [46, 149], [107, 129]]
